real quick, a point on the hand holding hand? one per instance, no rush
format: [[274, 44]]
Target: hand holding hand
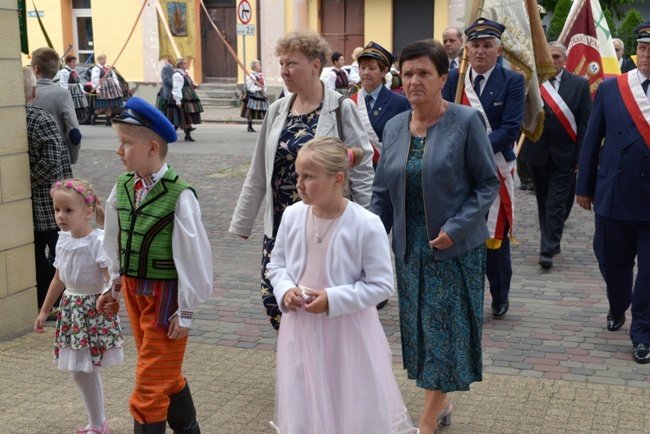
[[107, 305], [442, 241], [319, 304], [293, 299], [175, 331]]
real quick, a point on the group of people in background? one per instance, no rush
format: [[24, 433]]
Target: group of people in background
[[336, 175]]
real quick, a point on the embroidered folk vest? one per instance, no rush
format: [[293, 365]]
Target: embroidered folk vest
[[145, 236]]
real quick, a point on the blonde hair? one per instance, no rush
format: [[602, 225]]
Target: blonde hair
[[356, 53], [180, 61], [143, 134], [331, 156], [86, 194], [101, 56], [254, 63], [29, 80], [309, 43]]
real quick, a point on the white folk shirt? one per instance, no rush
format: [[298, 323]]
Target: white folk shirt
[[190, 246]]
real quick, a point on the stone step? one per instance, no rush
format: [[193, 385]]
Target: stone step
[[220, 102], [212, 93], [220, 80]]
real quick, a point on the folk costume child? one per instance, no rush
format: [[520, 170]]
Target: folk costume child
[[86, 341], [69, 79], [329, 269], [161, 264]]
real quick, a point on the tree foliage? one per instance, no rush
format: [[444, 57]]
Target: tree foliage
[[610, 21], [560, 14], [626, 32], [615, 6]]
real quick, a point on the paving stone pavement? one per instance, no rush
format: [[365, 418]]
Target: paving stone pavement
[[550, 365], [555, 327]]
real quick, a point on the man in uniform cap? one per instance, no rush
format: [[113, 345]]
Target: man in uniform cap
[[499, 94], [161, 263], [376, 103], [613, 174]]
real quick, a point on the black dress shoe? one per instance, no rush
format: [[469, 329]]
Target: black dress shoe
[[614, 323], [525, 186], [557, 250], [642, 353], [546, 261], [499, 310], [382, 305]]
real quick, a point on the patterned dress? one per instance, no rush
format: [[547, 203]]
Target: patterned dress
[[84, 339], [190, 111], [298, 130], [76, 90], [109, 93], [255, 104], [441, 301]]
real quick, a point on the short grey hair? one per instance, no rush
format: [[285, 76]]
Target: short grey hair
[[556, 44], [29, 80], [459, 32], [254, 63], [620, 42]]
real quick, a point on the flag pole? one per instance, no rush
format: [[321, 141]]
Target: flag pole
[[464, 63]]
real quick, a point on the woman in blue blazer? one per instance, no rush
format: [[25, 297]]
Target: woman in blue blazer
[[435, 182]]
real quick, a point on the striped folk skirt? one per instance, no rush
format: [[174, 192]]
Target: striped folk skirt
[[79, 100], [188, 114], [254, 105], [109, 96]]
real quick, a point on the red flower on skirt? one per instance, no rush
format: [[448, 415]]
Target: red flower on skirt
[[75, 329], [94, 351], [93, 330], [79, 302], [83, 342], [105, 331], [91, 313]]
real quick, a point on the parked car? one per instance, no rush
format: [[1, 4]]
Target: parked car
[[85, 74]]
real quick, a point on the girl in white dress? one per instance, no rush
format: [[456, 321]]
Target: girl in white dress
[[330, 267], [85, 340]]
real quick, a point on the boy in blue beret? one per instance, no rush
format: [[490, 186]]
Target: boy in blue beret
[[160, 261]]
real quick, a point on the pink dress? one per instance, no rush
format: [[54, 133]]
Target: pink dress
[[334, 375]]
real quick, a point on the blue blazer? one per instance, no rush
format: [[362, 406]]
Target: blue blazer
[[504, 101], [616, 174], [388, 105], [459, 180]]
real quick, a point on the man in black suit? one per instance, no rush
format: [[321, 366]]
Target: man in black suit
[[553, 158], [626, 65]]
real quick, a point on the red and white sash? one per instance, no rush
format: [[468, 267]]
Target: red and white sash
[[636, 102], [502, 209], [365, 122], [562, 112]]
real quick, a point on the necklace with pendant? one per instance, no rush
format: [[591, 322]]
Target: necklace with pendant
[[319, 237]]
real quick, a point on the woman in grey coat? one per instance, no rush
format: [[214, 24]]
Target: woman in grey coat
[[435, 181]]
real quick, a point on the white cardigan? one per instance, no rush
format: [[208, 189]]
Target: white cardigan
[[358, 264], [258, 181]]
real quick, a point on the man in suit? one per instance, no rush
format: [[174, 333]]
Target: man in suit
[[452, 40], [612, 178], [499, 94], [376, 103], [626, 65], [553, 158], [55, 99]]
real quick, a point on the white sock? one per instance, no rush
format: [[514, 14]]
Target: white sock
[[90, 387]]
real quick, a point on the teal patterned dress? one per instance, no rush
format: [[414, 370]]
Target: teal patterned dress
[[441, 301]]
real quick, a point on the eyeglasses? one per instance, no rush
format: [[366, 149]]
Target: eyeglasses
[[618, 49]]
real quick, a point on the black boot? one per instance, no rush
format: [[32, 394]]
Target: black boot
[[188, 137], [108, 121], [250, 127], [149, 428], [93, 118], [181, 414]]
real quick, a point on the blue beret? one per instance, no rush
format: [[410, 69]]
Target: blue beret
[[643, 32], [375, 51], [139, 112], [484, 28]]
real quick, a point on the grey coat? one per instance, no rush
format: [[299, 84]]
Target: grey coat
[[167, 84], [58, 101], [459, 180]]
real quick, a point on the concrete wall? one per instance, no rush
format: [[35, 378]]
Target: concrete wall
[[17, 274]]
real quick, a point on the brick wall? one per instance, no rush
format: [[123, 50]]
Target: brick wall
[[17, 275]]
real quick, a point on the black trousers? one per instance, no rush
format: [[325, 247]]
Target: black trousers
[[554, 191], [45, 253]]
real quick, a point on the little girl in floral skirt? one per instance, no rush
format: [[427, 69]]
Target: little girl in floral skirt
[[85, 340]]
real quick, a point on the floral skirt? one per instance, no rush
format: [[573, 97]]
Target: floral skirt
[[85, 339]]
